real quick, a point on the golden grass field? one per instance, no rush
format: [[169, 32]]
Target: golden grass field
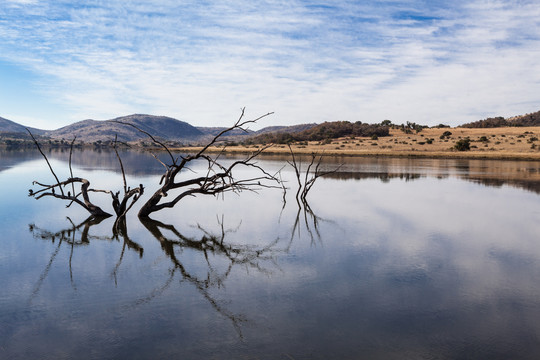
[[502, 143]]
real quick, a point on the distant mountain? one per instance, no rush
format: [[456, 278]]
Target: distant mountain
[[8, 126], [172, 129], [158, 126]]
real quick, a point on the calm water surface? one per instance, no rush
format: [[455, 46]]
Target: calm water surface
[[399, 259]]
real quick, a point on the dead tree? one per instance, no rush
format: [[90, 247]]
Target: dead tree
[[122, 207], [60, 190], [305, 181], [310, 176], [216, 180]]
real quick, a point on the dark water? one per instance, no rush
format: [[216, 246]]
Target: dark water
[[399, 259]]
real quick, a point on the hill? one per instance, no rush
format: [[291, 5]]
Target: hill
[[11, 127], [168, 128], [285, 129], [159, 126], [532, 119], [325, 131]]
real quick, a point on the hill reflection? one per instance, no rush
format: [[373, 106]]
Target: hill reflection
[[526, 184], [494, 173]]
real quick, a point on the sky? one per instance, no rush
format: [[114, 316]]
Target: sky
[[201, 61]]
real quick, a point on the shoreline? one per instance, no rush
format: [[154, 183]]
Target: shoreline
[[390, 154], [504, 143], [396, 154]]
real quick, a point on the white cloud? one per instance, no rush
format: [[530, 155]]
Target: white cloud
[[349, 61]]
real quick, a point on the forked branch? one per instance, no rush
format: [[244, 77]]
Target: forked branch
[[312, 173], [60, 190]]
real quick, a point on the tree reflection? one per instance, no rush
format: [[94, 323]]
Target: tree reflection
[[217, 255], [311, 224], [79, 235], [214, 249]]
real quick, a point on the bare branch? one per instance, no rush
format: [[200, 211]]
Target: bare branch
[[45, 157], [150, 136], [70, 168], [310, 175], [48, 190], [218, 178], [82, 198]]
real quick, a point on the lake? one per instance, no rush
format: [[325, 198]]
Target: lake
[[396, 259]]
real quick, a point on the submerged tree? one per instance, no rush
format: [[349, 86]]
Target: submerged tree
[[305, 180], [60, 189], [217, 179], [310, 176]]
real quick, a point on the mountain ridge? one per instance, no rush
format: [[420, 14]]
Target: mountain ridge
[[162, 127], [169, 128], [9, 126]]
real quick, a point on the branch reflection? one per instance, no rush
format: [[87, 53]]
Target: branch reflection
[[214, 249], [79, 235], [211, 249]]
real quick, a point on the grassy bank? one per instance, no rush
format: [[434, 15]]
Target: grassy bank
[[490, 143]]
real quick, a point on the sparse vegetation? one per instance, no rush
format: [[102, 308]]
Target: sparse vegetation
[[325, 132]]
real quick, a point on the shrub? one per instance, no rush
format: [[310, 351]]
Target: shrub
[[463, 145], [326, 141], [445, 134]]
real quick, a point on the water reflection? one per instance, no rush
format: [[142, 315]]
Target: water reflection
[[496, 173], [79, 235], [218, 253], [428, 268]]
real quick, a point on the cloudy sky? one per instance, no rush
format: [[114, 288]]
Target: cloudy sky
[[201, 61]]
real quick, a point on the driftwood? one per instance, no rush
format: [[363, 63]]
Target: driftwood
[[217, 178]]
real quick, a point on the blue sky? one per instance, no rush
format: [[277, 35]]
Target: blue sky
[[428, 62]]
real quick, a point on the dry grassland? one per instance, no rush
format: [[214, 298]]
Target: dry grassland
[[497, 143]]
